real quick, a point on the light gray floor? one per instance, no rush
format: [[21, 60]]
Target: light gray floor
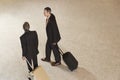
[[90, 29]]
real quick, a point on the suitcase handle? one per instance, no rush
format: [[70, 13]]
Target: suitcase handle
[[29, 64], [61, 51]]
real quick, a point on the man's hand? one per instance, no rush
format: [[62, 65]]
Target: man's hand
[[23, 58], [54, 43]]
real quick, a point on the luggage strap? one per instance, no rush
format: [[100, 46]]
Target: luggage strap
[[29, 64], [61, 52]]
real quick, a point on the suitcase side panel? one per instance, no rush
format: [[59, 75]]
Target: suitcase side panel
[[70, 60]]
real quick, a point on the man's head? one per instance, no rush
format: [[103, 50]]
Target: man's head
[[47, 11], [26, 26]]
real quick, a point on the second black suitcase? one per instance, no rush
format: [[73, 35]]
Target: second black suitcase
[[69, 60]]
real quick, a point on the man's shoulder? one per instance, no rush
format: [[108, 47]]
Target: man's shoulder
[[33, 32], [22, 35], [52, 17]]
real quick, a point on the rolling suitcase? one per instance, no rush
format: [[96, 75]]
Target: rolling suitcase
[[39, 73], [69, 60]]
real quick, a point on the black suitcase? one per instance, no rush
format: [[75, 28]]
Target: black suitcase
[[69, 60]]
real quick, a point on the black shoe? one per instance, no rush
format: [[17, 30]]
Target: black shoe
[[55, 63], [29, 78], [44, 59]]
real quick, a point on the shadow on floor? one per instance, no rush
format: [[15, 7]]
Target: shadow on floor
[[80, 73]]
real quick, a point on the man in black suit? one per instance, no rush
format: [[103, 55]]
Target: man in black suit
[[53, 37], [29, 43]]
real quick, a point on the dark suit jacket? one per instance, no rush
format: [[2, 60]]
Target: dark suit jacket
[[52, 31], [29, 43]]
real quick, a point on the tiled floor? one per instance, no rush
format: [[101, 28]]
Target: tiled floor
[[90, 29]]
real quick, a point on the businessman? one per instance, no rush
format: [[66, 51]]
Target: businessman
[[53, 37], [29, 43]]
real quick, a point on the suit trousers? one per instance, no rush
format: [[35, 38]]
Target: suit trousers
[[55, 49]]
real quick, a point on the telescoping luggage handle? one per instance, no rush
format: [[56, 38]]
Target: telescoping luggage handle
[[61, 52], [29, 64]]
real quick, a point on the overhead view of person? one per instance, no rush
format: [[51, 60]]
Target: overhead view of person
[[29, 43], [59, 39], [53, 37]]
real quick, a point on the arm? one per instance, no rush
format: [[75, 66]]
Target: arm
[[36, 40], [55, 32], [24, 47]]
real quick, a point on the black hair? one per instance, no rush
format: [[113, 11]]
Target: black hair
[[48, 9], [26, 24]]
